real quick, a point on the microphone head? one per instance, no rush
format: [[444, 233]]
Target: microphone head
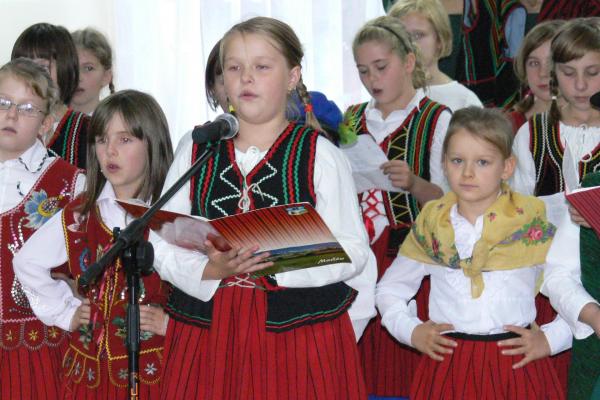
[[595, 100], [233, 125]]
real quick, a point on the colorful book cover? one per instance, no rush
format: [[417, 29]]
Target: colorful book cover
[[294, 234]]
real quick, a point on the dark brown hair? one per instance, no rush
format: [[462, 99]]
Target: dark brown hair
[[213, 70], [146, 121], [537, 36], [53, 43]]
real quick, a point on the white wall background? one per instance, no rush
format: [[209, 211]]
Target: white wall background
[[161, 46]]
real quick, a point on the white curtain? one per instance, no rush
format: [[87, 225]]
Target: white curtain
[[161, 47]]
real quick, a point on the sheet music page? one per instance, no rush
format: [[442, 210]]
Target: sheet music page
[[366, 157]]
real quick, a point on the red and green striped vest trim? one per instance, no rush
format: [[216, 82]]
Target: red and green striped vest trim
[[285, 175], [548, 153], [70, 138]]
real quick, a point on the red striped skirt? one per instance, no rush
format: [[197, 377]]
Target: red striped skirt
[[561, 361], [477, 370], [30, 375], [389, 365], [72, 390], [238, 358]]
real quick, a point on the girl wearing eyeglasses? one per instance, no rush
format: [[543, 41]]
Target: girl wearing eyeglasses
[[52, 47], [33, 186]]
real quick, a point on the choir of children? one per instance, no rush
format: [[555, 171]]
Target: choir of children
[[460, 255]]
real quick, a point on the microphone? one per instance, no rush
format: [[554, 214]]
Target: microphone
[[225, 126], [595, 100]]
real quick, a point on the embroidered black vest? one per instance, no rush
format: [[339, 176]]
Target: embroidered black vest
[[285, 175], [410, 142], [482, 66], [548, 152], [70, 137]]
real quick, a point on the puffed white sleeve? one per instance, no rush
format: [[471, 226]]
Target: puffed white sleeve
[[437, 176], [523, 180], [52, 300], [182, 267], [562, 278], [363, 307], [396, 288], [337, 204]]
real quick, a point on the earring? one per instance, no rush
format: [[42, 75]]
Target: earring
[[230, 108]]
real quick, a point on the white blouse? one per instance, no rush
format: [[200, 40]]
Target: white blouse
[[336, 204], [52, 299], [454, 95], [381, 128], [507, 299], [19, 175], [581, 141], [562, 278]]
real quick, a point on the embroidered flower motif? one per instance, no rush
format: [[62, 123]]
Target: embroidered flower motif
[[121, 332], [9, 336], [533, 233], [53, 332], [519, 211], [435, 246], [123, 373], [40, 208], [84, 259], [492, 216], [150, 369], [85, 335], [90, 375], [77, 369], [33, 335]]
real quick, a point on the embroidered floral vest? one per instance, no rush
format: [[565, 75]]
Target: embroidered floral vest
[[52, 191], [103, 340], [69, 139], [285, 175], [548, 152], [410, 142]]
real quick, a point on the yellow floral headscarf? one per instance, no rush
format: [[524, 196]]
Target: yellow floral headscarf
[[515, 234]]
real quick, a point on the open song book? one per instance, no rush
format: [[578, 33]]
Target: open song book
[[294, 234], [586, 200]]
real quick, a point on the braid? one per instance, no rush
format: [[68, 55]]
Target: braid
[[311, 119], [554, 115]]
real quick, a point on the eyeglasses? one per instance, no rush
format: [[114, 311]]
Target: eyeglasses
[[26, 109]]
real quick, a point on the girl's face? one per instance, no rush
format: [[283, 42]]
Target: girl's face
[[475, 169], [386, 76], [423, 33], [122, 157], [537, 70], [19, 130], [579, 79], [92, 78], [257, 78]]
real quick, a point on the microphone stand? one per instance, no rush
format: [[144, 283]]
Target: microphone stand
[[137, 256]]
